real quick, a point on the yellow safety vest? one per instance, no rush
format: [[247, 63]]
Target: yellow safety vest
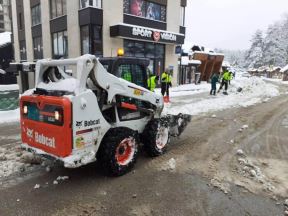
[[166, 78], [152, 83]]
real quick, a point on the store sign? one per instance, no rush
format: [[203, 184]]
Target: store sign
[[147, 34], [137, 31]]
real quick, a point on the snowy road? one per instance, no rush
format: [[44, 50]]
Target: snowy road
[[207, 177]]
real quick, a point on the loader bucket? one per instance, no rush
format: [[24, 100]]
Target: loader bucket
[[177, 123]]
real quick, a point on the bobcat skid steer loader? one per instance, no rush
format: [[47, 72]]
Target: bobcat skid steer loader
[[79, 112]]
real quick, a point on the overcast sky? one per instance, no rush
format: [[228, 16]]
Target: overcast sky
[[230, 23]]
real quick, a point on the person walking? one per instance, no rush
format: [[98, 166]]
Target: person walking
[[152, 82], [226, 77], [214, 80], [166, 82]]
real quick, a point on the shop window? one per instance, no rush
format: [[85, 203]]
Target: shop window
[[90, 3], [182, 16], [38, 48], [150, 50], [154, 52], [58, 8], [91, 40], [36, 15], [60, 45], [23, 52], [139, 49], [146, 9]]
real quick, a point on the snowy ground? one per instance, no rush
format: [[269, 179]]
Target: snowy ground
[[9, 116], [5, 38], [254, 90], [9, 87], [189, 99], [13, 115]]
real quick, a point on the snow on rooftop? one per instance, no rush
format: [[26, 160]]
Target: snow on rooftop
[[5, 38], [285, 69]]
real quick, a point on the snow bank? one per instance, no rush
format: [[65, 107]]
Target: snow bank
[[188, 89], [9, 116], [279, 81], [69, 84], [5, 38], [254, 90], [13, 87]]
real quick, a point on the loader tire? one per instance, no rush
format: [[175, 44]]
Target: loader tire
[[156, 137], [118, 151]]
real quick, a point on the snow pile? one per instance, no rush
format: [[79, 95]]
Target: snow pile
[[188, 89], [9, 116], [13, 87], [254, 90], [13, 160], [170, 165], [5, 38], [70, 85], [279, 81], [249, 170]]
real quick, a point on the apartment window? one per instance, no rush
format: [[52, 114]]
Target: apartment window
[[36, 15], [38, 48], [60, 45], [23, 52], [91, 40], [20, 21], [90, 3], [146, 9], [57, 8], [182, 16]]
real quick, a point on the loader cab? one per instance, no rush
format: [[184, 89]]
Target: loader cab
[[131, 69]]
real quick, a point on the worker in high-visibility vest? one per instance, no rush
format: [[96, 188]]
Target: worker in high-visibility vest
[[166, 82], [126, 75], [226, 77], [152, 82]]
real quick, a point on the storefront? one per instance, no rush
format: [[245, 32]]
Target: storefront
[[147, 43]]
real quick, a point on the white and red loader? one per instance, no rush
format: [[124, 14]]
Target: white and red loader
[[80, 112]]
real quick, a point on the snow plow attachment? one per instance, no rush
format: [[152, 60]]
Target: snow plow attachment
[[176, 123]]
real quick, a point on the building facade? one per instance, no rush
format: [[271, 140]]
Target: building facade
[[68, 29], [5, 16]]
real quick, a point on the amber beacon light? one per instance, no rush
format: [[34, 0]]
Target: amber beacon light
[[120, 52]]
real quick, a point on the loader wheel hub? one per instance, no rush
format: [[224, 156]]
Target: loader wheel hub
[[125, 151], [162, 137]]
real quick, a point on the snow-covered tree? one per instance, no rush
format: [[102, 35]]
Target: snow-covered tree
[[254, 58], [274, 51]]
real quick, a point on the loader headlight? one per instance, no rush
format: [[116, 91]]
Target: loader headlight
[[25, 110], [57, 115]]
